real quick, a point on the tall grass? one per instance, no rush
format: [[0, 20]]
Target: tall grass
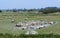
[[6, 35]]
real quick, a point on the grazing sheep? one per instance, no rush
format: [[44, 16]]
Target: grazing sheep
[[19, 25], [30, 26], [33, 32], [26, 24], [22, 28], [39, 27], [33, 23], [51, 22], [12, 21], [42, 22]]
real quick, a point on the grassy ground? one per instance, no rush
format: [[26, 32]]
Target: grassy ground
[[7, 27]]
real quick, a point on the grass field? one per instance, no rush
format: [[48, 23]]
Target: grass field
[[7, 27]]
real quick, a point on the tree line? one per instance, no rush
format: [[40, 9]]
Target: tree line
[[43, 10]]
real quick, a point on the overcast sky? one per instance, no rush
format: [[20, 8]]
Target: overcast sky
[[19, 4]]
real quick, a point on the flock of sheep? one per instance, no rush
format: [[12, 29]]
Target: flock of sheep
[[32, 25]]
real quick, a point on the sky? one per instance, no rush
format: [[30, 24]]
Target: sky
[[28, 4]]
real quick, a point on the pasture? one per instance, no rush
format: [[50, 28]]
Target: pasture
[[7, 27]]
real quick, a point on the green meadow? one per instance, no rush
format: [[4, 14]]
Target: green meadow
[[7, 27]]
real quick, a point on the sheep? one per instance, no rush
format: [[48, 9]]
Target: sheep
[[42, 23], [33, 23], [51, 22], [33, 32], [12, 21], [19, 25], [22, 28]]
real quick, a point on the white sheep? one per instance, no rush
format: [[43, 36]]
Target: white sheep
[[51, 22], [12, 21], [19, 25]]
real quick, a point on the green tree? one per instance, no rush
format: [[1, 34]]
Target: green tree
[[0, 10]]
